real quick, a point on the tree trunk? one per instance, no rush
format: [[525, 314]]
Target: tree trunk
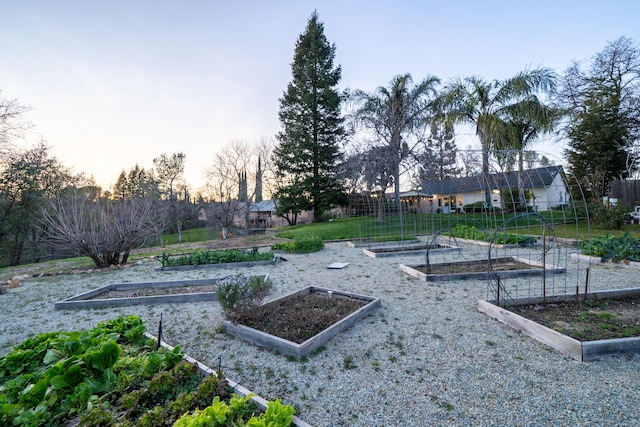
[[521, 196], [381, 204], [486, 182]]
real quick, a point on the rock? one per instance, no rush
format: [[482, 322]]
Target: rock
[[14, 283], [538, 307]]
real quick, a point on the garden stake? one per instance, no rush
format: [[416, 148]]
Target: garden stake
[[577, 294], [159, 333], [544, 270], [586, 284]]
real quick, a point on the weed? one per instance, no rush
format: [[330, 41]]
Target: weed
[[319, 350], [269, 373], [348, 363]]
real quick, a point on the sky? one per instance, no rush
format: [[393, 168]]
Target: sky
[[117, 83]]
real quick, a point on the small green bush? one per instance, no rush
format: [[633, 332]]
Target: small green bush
[[301, 245], [607, 217], [241, 296]]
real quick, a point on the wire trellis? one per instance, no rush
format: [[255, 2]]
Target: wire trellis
[[535, 218]]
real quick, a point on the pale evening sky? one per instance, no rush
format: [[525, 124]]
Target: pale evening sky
[[115, 83]]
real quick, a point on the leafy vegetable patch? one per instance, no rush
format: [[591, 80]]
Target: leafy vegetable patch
[[612, 248], [503, 238], [216, 257], [113, 375]]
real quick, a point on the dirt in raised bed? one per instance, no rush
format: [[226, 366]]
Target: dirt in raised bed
[[300, 317], [478, 266], [590, 320], [149, 292], [405, 249]]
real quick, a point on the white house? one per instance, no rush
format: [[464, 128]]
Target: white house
[[547, 184]]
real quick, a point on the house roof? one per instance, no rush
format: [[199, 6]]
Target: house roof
[[532, 178], [413, 193], [263, 206]]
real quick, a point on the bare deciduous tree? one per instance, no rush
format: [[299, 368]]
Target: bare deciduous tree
[[169, 169], [104, 230], [11, 120], [233, 178]]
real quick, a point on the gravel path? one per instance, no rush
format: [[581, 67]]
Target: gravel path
[[427, 356]]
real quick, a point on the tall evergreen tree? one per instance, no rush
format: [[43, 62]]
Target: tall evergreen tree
[[438, 158], [308, 154], [603, 124]]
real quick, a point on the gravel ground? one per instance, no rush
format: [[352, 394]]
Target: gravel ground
[[426, 356]]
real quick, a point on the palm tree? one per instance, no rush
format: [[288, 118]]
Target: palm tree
[[485, 104], [525, 122], [394, 115]]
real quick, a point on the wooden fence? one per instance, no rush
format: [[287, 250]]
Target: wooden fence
[[627, 192]]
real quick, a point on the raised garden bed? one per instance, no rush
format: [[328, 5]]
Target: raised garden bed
[[598, 260], [297, 315], [504, 267], [125, 294], [414, 249], [581, 350], [373, 243], [220, 265], [485, 243]]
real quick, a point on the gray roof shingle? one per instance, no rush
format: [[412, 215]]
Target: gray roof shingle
[[533, 178]]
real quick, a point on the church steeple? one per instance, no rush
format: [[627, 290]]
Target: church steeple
[[259, 181], [242, 186]]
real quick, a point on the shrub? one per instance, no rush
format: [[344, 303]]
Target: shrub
[[607, 217], [240, 297], [301, 244]]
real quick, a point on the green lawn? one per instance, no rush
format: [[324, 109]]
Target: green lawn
[[420, 224]]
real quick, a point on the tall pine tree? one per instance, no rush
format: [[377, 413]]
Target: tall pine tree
[[308, 154]]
